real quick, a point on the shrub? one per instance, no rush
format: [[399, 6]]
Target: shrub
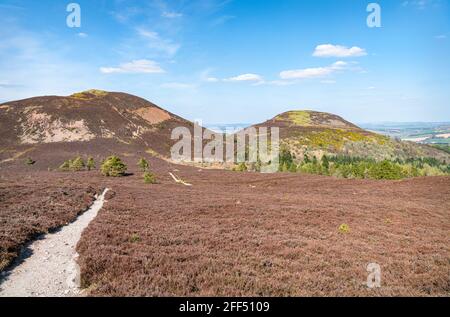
[[428, 170], [143, 164], [65, 167], [113, 167], [135, 238], [90, 164], [325, 162], [258, 165], [293, 168], [74, 165], [385, 170], [77, 164], [344, 228], [286, 157], [242, 167], [306, 158], [29, 161], [149, 178], [310, 168], [409, 170]]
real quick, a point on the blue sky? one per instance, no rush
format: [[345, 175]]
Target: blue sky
[[236, 61]]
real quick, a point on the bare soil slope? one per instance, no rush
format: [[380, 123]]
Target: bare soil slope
[[83, 117]]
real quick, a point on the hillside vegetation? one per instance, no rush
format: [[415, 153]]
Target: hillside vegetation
[[316, 134], [363, 168]]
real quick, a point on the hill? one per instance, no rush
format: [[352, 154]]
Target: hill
[[82, 116], [317, 133], [92, 122]]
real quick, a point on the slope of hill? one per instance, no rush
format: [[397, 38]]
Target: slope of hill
[[93, 122], [81, 117], [317, 133]]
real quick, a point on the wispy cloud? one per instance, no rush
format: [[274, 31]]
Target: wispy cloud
[[245, 77], [10, 6], [206, 76], [420, 4], [155, 41], [212, 79], [7, 84], [440, 37], [134, 67], [82, 35], [171, 15], [125, 14], [316, 72], [330, 50], [33, 64]]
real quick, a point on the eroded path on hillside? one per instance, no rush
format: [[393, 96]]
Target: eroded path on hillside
[[48, 266]]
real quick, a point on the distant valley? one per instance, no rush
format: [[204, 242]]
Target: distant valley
[[419, 132]]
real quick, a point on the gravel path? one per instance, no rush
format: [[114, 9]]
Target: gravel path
[[51, 270]]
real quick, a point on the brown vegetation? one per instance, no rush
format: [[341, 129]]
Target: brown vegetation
[[29, 208], [240, 233], [246, 234]]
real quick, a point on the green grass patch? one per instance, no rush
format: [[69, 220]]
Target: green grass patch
[[302, 118], [89, 94]]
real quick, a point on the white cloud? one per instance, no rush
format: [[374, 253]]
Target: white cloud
[[330, 50], [134, 67], [305, 73], [158, 43], [246, 77], [125, 14], [206, 76], [171, 15], [420, 4], [34, 64], [313, 72], [7, 84], [82, 35]]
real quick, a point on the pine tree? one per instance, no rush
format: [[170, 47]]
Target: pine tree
[[29, 161], [77, 164], [325, 162], [306, 159], [149, 178], [114, 167], [90, 163], [143, 164], [293, 168]]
